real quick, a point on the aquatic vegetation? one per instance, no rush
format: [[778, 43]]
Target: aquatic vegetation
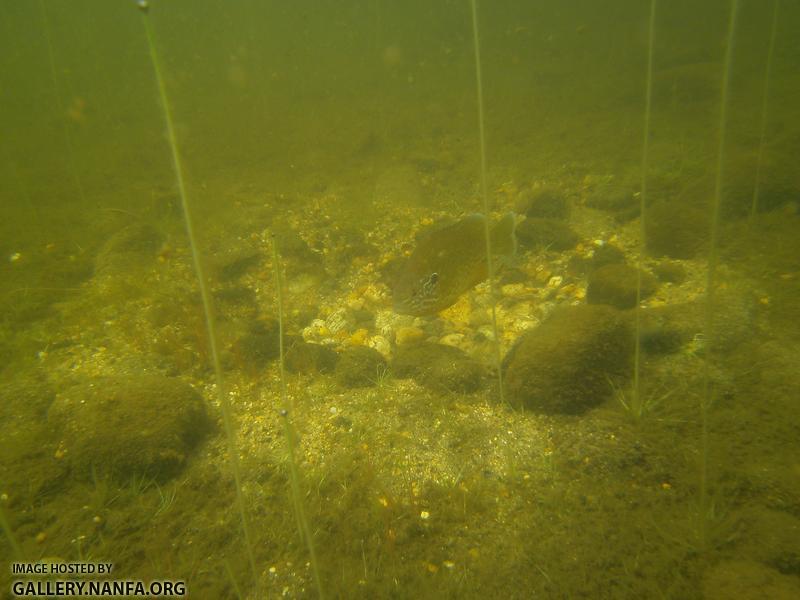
[[764, 106], [704, 508], [638, 404], [166, 498], [287, 414], [383, 376], [202, 283]]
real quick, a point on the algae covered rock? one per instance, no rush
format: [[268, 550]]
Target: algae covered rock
[[620, 202], [676, 229], [615, 284], [259, 345], [547, 233], [303, 357], [439, 367], [360, 366], [546, 203], [129, 425], [565, 364]]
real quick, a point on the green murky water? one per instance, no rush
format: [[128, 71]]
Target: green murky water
[[349, 131]]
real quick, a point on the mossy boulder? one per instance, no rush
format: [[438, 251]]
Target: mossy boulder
[[607, 254], [259, 345], [360, 366], [670, 328], [616, 283], [546, 233], [677, 229], [620, 202], [145, 425], [438, 367], [566, 364], [546, 203], [302, 357], [26, 445], [660, 331]]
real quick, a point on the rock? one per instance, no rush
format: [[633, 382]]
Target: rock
[[565, 364], [304, 357], [748, 580], [665, 327], [26, 443], [259, 345], [441, 368], [659, 333], [360, 366], [770, 535], [606, 254], [546, 203], [408, 335], [615, 284], [676, 229], [123, 426], [619, 201], [549, 233]]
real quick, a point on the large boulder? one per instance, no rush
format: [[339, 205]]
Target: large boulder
[[568, 363], [145, 425], [438, 367]]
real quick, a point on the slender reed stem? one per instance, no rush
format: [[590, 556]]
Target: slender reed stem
[[713, 257], [291, 443], [485, 197], [636, 401], [764, 103], [60, 106], [205, 294]]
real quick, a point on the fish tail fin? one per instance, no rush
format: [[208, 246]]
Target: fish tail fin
[[504, 236]]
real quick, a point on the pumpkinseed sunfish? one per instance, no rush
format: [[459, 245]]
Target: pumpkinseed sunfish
[[449, 261]]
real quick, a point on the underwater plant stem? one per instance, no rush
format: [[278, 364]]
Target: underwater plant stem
[[485, 197], [764, 106], [637, 390], [713, 256], [59, 104], [227, 416], [291, 445]]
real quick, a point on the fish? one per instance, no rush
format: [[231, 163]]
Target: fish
[[449, 261]]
